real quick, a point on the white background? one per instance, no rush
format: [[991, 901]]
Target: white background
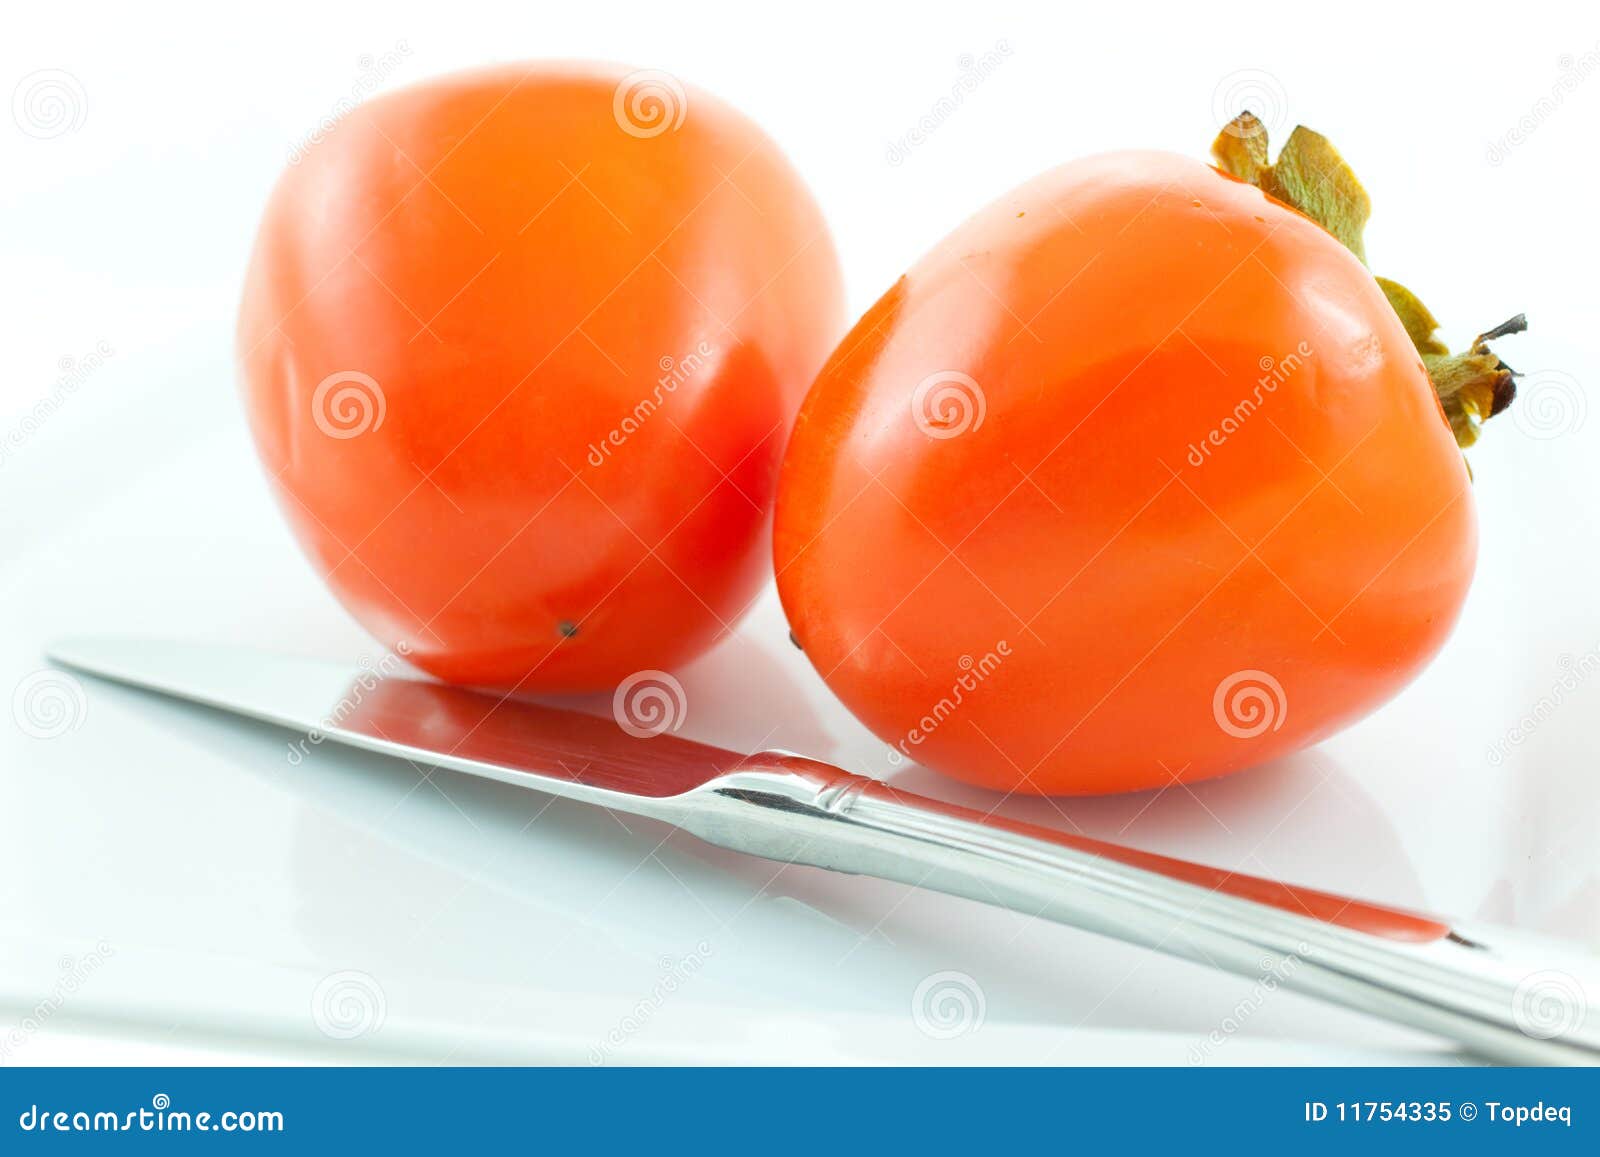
[[228, 889]]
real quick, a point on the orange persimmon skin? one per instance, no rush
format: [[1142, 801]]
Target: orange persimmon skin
[[583, 314], [1192, 506]]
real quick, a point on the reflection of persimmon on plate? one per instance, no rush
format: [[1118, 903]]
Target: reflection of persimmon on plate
[[520, 350], [1139, 475]]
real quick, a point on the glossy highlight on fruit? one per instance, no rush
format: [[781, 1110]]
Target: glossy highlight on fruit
[[520, 349], [1135, 479]]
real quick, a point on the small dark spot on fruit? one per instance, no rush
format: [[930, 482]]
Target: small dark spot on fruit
[[567, 629], [795, 641], [1260, 218], [1023, 213]]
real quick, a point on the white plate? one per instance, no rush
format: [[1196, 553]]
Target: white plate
[[168, 877], [227, 886]]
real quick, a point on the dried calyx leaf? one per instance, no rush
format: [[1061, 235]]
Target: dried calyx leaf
[[1475, 385], [1310, 176]]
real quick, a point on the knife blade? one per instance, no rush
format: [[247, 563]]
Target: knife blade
[[1498, 992]]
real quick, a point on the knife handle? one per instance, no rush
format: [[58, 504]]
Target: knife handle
[[1504, 995]]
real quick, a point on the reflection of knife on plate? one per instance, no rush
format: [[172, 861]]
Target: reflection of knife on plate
[[1491, 989]]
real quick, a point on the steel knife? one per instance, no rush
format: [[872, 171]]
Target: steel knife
[[1502, 994]]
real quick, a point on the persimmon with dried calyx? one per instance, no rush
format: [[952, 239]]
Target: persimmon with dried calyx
[[1139, 477]]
